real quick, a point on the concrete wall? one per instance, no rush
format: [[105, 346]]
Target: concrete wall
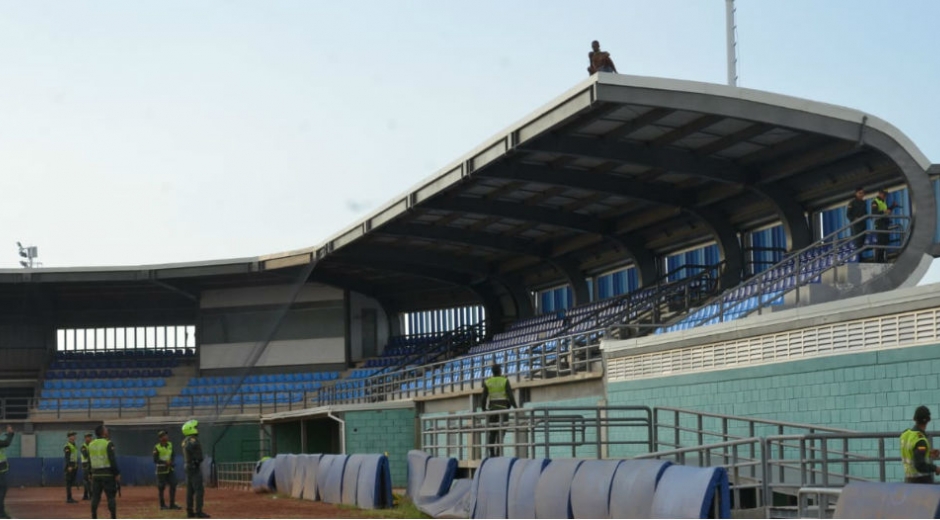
[[234, 321], [380, 431], [358, 303], [871, 391]]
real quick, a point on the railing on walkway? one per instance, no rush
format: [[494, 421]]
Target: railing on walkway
[[769, 289], [808, 462], [566, 431], [234, 475], [14, 408]]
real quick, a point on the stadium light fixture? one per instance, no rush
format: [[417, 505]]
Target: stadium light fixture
[[30, 253]]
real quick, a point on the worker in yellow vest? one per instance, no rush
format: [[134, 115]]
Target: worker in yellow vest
[[86, 466], [105, 475], [880, 207], [72, 462], [916, 454], [5, 442], [166, 474], [192, 462], [497, 395]]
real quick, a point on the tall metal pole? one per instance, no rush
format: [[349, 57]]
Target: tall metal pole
[[732, 59]]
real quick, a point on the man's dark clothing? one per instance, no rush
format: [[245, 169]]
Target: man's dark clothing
[[165, 474], [195, 492], [855, 211], [71, 469], [497, 395], [880, 208], [86, 472], [103, 476], [109, 487], [5, 441]]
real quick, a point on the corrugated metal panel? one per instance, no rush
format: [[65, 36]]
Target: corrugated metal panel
[[898, 330]]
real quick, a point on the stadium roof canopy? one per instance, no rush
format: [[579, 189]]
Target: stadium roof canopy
[[618, 170]]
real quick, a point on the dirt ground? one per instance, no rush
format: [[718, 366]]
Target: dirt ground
[[142, 502]]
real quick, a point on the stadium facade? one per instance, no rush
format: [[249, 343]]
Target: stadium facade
[[636, 242]]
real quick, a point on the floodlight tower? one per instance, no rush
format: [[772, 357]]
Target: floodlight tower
[[30, 253], [731, 43]]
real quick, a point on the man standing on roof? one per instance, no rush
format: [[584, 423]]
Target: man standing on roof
[[105, 475], [916, 454], [854, 212], [72, 461], [192, 456], [163, 458], [599, 61], [498, 395], [5, 442], [880, 207], [86, 467]]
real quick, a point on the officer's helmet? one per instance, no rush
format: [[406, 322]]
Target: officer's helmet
[[190, 427]]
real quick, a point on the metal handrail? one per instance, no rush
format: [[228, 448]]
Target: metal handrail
[[764, 280], [538, 432]]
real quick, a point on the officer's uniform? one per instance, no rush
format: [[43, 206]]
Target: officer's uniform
[[86, 470], [192, 456], [104, 469], [880, 208], [497, 395], [915, 455], [163, 459], [5, 440], [72, 462]]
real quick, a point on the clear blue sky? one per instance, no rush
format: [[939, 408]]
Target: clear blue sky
[[167, 131]]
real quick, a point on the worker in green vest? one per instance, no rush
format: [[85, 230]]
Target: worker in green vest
[[166, 476], [5, 442], [192, 460], [916, 454], [880, 208], [72, 462], [86, 466], [105, 475], [497, 395]]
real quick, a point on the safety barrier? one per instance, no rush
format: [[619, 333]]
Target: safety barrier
[[687, 492], [417, 466], [591, 488], [438, 477], [635, 481], [311, 464], [362, 480], [506, 487], [522, 481], [884, 500], [263, 479], [553, 492]]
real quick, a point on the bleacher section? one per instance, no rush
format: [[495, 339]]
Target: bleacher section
[[768, 287], [255, 389], [79, 380]]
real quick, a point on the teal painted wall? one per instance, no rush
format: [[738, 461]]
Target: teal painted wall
[[871, 392], [381, 431], [52, 443]]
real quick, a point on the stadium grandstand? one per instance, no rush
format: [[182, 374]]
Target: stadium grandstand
[[663, 268]]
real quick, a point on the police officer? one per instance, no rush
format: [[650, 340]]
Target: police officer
[[497, 394], [166, 476], [192, 457], [916, 454], [880, 207], [72, 461], [86, 466], [105, 475], [5, 441]]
